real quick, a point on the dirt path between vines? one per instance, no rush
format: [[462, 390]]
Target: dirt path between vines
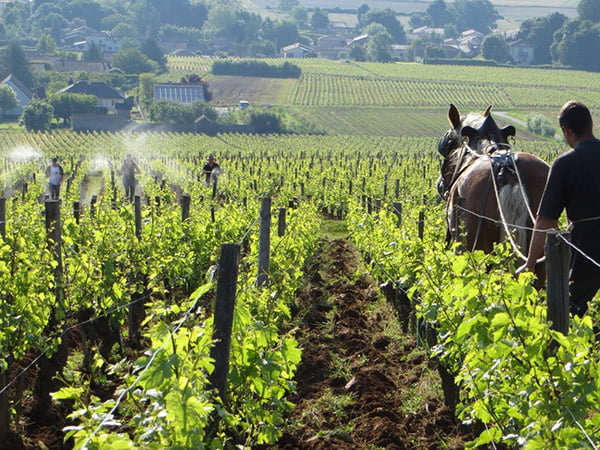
[[362, 383]]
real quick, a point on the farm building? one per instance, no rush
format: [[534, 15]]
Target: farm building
[[108, 97], [83, 37], [186, 93], [23, 93], [521, 52], [298, 50]]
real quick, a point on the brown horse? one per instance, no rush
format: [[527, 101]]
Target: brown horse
[[491, 192]]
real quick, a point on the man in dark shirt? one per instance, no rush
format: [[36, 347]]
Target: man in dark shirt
[[211, 170], [574, 184]]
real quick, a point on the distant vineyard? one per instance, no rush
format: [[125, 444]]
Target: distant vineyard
[[318, 90]]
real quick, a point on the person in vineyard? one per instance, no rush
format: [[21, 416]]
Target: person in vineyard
[[211, 170], [128, 171], [55, 175], [574, 184]]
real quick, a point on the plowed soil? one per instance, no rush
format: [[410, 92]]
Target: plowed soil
[[362, 383]]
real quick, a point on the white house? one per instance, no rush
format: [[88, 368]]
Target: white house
[[399, 52], [521, 52], [82, 38], [108, 97], [23, 93], [298, 50]]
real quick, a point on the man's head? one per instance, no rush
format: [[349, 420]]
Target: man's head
[[210, 159], [576, 117], [54, 160]]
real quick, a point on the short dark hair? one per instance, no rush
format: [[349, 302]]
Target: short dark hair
[[576, 117], [54, 160]]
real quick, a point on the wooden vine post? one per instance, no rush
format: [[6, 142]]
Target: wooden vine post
[[48, 366], [3, 217], [558, 255], [397, 208], [76, 214], [185, 207], [223, 316], [137, 205], [264, 242], [54, 237], [281, 222]]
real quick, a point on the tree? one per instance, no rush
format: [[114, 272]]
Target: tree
[[540, 124], [65, 105], [46, 44], [15, 62], [539, 32], [146, 88], [37, 116], [132, 60], [319, 19], [288, 5], [589, 10], [281, 33], [379, 43], [434, 51], [155, 52], [8, 99], [357, 53], [419, 19], [438, 12], [93, 53], [494, 47], [265, 123], [480, 15], [300, 15], [576, 44], [388, 19]]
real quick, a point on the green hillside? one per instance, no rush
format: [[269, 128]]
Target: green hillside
[[400, 99]]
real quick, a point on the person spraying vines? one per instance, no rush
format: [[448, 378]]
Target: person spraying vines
[[128, 170], [211, 171]]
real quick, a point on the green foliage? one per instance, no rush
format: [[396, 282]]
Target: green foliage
[[378, 44], [146, 88], [589, 10], [256, 69], [540, 33], [388, 19], [265, 123], [132, 60], [46, 44], [8, 99], [15, 62], [539, 124], [155, 52], [93, 53], [37, 116], [480, 15], [574, 45], [65, 105], [176, 113], [319, 19], [494, 47]]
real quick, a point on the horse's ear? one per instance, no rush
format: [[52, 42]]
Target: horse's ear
[[487, 111], [454, 117], [508, 131]]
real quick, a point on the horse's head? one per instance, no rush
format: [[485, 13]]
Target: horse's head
[[469, 136], [471, 130]]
